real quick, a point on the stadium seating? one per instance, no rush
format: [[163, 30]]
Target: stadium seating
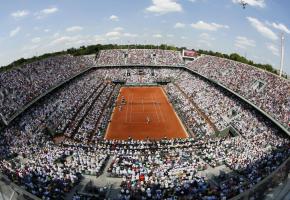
[[143, 57], [79, 112], [266, 90], [23, 84]]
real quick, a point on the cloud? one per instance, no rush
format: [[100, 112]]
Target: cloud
[[20, 14], [281, 27], [157, 36], [194, 1], [201, 25], [254, 3], [48, 11], [114, 18], [273, 48], [118, 29], [30, 48], [206, 36], [204, 42], [117, 33], [76, 40], [113, 34], [60, 40], [130, 35], [65, 40], [179, 25], [205, 39], [74, 29], [14, 32], [35, 40], [262, 28], [99, 39], [164, 6], [244, 42], [56, 34], [45, 12]]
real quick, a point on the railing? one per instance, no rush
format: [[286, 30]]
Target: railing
[[131, 84], [259, 191], [11, 191], [140, 65]]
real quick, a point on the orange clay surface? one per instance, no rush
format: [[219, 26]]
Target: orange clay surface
[[145, 113]]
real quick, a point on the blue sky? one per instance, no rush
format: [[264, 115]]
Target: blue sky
[[34, 27]]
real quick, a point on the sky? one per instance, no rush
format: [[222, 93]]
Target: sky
[[33, 27]]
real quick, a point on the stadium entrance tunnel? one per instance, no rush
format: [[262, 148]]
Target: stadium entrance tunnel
[[229, 131]]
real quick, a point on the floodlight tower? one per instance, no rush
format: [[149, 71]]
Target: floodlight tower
[[282, 53]]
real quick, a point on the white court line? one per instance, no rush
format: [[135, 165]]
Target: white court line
[[126, 115], [132, 95], [141, 120], [138, 122], [161, 113], [127, 110], [155, 109], [143, 112]]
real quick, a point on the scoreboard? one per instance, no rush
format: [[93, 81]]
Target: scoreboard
[[189, 54]]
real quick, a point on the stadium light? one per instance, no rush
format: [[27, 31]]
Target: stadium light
[[282, 53]]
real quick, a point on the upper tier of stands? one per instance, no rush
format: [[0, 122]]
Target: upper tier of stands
[[268, 91], [145, 57], [21, 85]]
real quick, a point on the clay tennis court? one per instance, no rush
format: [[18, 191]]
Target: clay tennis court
[[144, 113]]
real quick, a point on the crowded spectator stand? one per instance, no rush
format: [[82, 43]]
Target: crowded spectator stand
[[79, 111]]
